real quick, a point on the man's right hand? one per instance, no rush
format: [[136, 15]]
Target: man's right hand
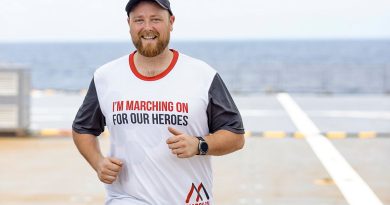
[[108, 169]]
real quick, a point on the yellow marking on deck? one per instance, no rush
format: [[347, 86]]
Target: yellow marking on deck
[[299, 135], [324, 181], [49, 132], [367, 135], [274, 134], [336, 135], [248, 134]]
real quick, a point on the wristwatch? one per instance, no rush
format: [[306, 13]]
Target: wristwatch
[[203, 147]]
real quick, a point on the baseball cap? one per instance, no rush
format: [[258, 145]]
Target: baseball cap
[[163, 3]]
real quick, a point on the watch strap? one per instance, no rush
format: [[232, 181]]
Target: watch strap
[[200, 138]]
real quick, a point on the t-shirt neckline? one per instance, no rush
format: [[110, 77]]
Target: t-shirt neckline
[[133, 68]]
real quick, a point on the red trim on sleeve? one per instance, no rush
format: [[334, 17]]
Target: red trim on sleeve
[[157, 77]]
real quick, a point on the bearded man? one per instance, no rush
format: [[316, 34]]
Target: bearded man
[[167, 114]]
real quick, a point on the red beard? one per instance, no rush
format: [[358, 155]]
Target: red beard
[[151, 49]]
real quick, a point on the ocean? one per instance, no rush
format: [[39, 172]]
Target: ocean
[[300, 66]]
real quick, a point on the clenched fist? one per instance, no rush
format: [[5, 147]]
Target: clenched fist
[[181, 144], [108, 169]]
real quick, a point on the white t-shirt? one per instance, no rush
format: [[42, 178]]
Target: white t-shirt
[[137, 110]]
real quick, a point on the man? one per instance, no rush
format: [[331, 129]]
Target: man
[[167, 113]]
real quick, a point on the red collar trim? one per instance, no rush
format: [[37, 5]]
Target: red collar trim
[[157, 77]]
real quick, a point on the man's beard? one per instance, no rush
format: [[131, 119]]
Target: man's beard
[[151, 50]]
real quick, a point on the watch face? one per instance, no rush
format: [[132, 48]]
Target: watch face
[[204, 147]]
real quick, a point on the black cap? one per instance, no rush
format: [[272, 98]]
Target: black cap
[[163, 3]]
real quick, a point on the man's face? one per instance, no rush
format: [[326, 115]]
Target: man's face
[[150, 27]]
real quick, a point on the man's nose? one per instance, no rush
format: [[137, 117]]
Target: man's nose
[[148, 25]]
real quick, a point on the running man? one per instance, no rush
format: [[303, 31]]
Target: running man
[[167, 114]]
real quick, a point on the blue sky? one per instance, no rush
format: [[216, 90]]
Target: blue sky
[[96, 20]]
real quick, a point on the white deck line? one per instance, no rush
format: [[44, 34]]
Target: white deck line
[[351, 185]]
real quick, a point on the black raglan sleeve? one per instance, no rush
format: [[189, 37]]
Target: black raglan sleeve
[[90, 119], [222, 112]]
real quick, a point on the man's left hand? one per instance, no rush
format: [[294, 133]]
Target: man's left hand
[[181, 144]]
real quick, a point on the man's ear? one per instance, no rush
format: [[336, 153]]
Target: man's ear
[[171, 21], [128, 20]]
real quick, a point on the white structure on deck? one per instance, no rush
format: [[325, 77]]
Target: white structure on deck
[[14, 99]]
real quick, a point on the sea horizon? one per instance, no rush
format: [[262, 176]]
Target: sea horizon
[[247, 66]]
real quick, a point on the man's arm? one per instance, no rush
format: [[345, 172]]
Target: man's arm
[[224, 142], [224, 121], [107, 168], [89, 123]]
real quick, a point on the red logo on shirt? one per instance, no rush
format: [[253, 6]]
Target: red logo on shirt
[[199, 196]]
